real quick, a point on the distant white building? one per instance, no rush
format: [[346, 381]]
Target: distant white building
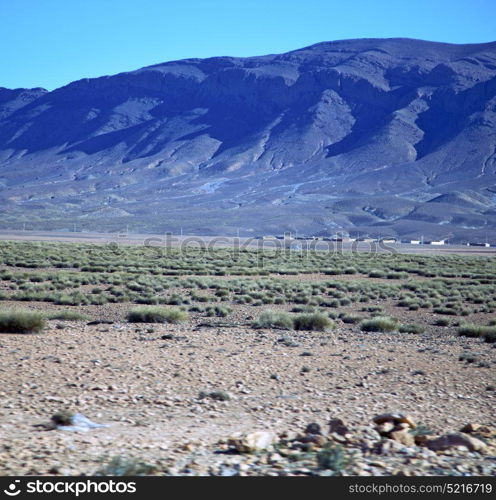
[[415, 242], [440, 242]]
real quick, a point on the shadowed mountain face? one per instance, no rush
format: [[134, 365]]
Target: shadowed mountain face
[[384, 136]]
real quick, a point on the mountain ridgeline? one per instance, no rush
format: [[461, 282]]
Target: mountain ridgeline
[[383, 136]]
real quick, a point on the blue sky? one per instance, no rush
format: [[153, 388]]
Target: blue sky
[[49, 43]]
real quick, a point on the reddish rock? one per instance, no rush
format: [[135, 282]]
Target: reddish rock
[[395, 418]]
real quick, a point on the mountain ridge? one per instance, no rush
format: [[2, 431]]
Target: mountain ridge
[[301, 141]]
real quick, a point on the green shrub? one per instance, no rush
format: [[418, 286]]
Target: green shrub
[[98, 300], [442, 322], [333, 271], [303, 309], [68, 316], [412, 328], [219, 311], [21, 321], [124, 466], [201, 298], [351, 318], [488, 333], [377, 273], [372, 309], [271, 319], [490, 336], [147, 299], [176, 300], [334, 457], [156, 314], [315, 321], [379, 324], [446, 310], [472, 330], [396, 276]]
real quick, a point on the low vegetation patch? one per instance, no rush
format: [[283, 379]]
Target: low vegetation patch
[[68, 316], [21, 321], [488, 333], [156, 314], [411, 328], [70, 275], [442, 322], [271, 319], [334, 457], [351, 318], [379, 324], [126, 466], [316, 322], [220, 311]]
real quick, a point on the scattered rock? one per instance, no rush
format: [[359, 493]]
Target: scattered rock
[[254, 441], [403, 437], [62, 418], [314, 439], [337, 426], [395, 426], [313, 428], [480, 430], [388, 447], [395, 418], [450, 441], [385, 428], [229, 471], [215, 395], [78, 423], [470, 427]]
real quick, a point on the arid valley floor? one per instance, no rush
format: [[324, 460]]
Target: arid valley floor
[[241, 363]]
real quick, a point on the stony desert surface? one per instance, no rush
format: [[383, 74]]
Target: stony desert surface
[[215, 396]]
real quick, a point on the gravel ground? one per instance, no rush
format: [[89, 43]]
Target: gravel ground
[[150, 386]]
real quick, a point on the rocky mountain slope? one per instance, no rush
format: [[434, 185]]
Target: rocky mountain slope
[[381, 136]]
